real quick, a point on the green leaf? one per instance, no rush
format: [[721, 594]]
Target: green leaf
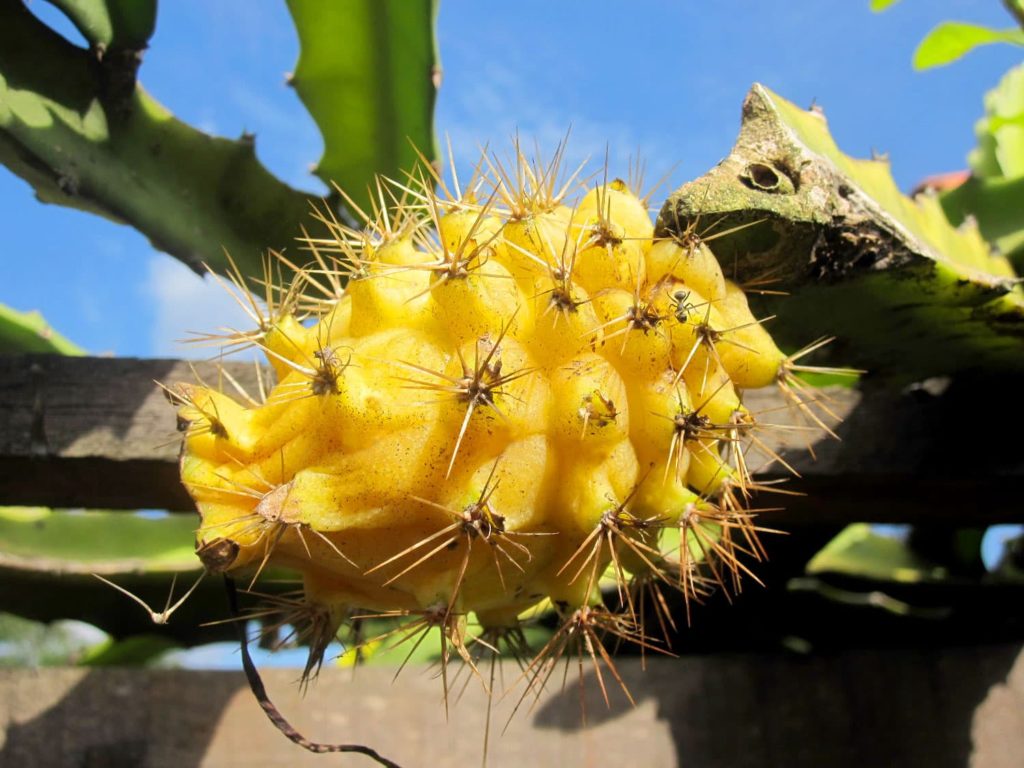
[[44, 551], [367, 72], [996, 205], [83, 143], [382, 647], [134, 651], [112, 23], [1016, 121], [39, 539], [28, 332], [31, 643], [1000, 132], [880, 5], [862, 552], [994, 195], [950, 40]]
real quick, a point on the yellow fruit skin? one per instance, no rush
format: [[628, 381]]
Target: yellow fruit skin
[[487, 301], [337, 323], [390, 297], [711, 390], [615, 202], [589, 400], [611, 230], [399, 252], [539, 241], [750, 355], [664, 495], [561, 334], [653, 408], [607, 259], [468, 229], [707, 472], [485, 415], [217, 427], [633, 345], [287, 341], [694, 267]]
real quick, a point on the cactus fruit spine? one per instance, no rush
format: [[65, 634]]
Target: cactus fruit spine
[[488, 399]]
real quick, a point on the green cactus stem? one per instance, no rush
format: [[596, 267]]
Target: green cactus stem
[[886, 274]]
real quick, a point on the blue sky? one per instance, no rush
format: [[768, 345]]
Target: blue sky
[[662, 78]]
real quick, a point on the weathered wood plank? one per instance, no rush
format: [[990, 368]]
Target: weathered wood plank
[[94, 432], [98, 432], [939, 707]]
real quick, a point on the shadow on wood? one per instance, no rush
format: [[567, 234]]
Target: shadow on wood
[[114, 718], [845, 710], [856, 708]]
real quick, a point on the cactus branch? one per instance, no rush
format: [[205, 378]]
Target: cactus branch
[[368, 73], [886, 274], [66, 130], [126, 24]]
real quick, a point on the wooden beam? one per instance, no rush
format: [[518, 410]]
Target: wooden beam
[[942, 708], [98, 432], [91, 432]]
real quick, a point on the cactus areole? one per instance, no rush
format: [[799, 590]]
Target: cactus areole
[[489, 398]]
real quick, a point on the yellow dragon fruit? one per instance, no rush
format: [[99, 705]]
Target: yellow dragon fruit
[[485, 400]]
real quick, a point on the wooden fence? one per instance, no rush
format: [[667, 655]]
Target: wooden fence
[[97, 432]]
